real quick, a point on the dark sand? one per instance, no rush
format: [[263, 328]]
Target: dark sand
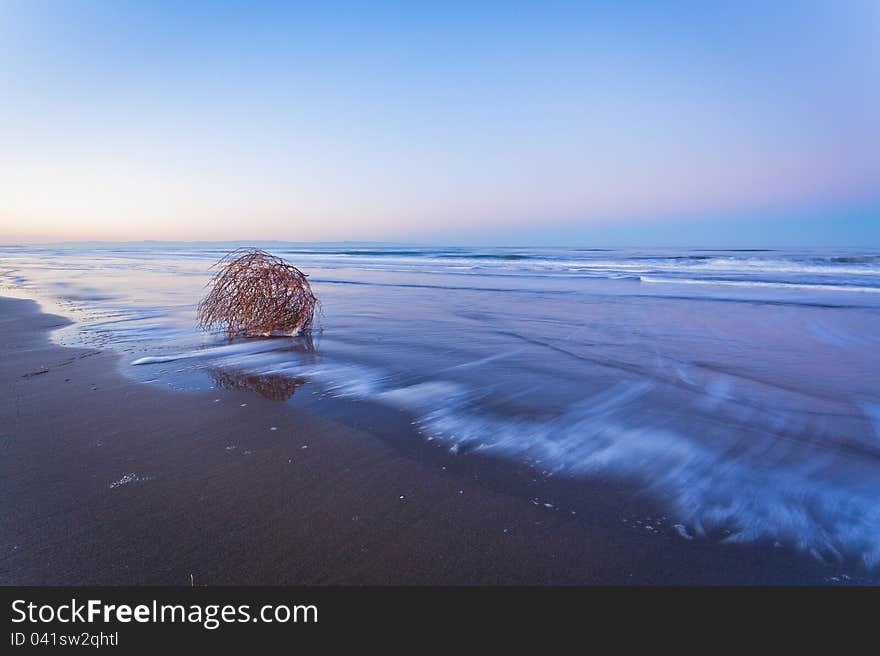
[[367, 502]]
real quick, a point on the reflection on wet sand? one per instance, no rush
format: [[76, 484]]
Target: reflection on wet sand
[[275, 387]]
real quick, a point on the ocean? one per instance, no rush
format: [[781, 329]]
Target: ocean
[[739, 390]]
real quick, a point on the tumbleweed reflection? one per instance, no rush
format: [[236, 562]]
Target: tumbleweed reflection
[[275, 387]]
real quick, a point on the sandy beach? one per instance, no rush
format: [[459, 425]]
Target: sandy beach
[[109, 481]]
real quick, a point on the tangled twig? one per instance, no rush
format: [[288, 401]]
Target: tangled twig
[[256, 294]]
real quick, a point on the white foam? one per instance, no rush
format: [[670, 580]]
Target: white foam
[[770, 490], [251, 347], [424, 396]]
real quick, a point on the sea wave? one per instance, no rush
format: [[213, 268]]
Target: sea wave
[[760, 283], [737, 487]]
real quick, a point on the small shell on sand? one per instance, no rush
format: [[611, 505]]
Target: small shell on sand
[[129, 478]]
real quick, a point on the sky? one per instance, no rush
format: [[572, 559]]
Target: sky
[[441, 122]]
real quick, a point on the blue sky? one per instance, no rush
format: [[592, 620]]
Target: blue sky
[[448, 122]]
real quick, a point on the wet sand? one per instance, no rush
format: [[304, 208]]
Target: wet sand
[[104, 480]]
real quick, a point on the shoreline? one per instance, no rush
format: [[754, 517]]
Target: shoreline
[[109, 481]]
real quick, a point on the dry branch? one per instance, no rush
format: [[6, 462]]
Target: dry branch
[[256, 294]]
